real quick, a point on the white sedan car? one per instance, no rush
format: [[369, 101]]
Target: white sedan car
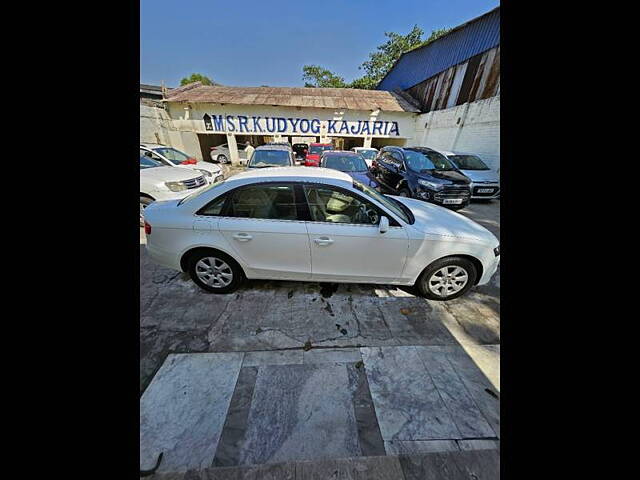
[[297, 223], [159, 182], [172, 157]]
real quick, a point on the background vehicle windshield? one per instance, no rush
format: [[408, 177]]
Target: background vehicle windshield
[[319, 148], [387, 202], [345, 163], [419, 161], [269, 158], [174, 156], [368, 154], [468, 162], [148, 162]]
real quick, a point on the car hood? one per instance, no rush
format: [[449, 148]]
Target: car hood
[[451, 175], [209, 167], [436, 220], [482, 175], [168, 174], [363, 177]]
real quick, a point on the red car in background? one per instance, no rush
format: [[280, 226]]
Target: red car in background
[[313, 155]]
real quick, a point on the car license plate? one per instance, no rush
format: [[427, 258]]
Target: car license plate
[[452, 201], [485, 190]]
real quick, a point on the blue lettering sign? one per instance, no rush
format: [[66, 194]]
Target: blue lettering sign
[[282, 125], [304, 125], [271, 128], [218, 122], [294, 125], [242, 121], [377, 125], [344, 127], [356, 131], [365, 129], [230, 124], [315, 126], [332, 126], [256, 124], [394, 128]]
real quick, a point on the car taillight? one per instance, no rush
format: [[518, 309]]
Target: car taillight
[[147, 228], [189, 161], [305, 150]]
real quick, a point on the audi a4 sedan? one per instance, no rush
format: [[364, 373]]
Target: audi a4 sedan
[[297, 223]]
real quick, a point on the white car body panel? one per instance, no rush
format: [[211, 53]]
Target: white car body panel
[[287, 249], [152, 182], [214, 170]]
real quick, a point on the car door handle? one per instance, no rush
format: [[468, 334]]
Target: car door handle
[[323, 241], [242, 237]]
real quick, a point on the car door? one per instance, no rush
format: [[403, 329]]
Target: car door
[[260, 226], [345, 240]]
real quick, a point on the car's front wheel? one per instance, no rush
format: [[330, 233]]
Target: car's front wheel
[[215, 271], [447, 278]]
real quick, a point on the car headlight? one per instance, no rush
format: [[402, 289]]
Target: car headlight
[[206, 173], [433, 185], [176, 186], [219, 178]]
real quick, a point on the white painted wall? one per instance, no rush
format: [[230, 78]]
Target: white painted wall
[[471, 127], [157, 127]]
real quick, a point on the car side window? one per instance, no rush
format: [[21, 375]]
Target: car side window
[[215, 207], [331, 205], [274, 202]]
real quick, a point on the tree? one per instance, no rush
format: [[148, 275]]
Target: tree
[[315, 76], [196, 77], [378, 64]]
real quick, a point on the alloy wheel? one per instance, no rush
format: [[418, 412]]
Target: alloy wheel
[[214, 272], [447, 280]]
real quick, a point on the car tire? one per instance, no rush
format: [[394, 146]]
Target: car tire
[[222, 159], [431, 286], [144, 203], [225, 265], [404, 192]]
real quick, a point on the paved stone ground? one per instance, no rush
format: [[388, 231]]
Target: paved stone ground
[[388, 373]]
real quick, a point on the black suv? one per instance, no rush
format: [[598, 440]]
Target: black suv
[[422, 173]]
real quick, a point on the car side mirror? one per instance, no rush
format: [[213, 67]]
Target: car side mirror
[[383, 226]]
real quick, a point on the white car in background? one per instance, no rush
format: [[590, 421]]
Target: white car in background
[[317, 224], [159, 182], [485, 182], [173, 157], [367, 153]]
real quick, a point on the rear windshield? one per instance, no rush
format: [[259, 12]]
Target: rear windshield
[[468, 162], [319, 148], [269, 158], [345, 163]]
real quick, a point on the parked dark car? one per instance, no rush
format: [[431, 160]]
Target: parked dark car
[[422, 173], [300, 150], [351, 163], [271, 156]]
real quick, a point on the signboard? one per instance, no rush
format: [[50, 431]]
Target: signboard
[[289, 125]]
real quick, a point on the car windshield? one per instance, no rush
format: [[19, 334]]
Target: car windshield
[[174, 156], [368, 154], [468, 162], [396, 207], [422, 161], [148, 162], [345, 163], [319, 148], [197, 193], [269, 158]]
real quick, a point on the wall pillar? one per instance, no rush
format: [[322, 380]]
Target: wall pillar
[[367, 142], [233, 149]]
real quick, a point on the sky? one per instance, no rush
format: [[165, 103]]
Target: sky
[[266, 42]]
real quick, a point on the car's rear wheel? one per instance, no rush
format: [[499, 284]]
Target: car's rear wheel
[[447, 278], [215, 271], [144, 203], [222, 159]]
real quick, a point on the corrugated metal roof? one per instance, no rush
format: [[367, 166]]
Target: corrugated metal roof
[[335, 98], [462, 43]]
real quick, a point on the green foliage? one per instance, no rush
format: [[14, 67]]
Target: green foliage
[[196, 77], [315, 76], [378, 64]]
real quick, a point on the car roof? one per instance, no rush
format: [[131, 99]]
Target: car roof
[[154, 145], [341, 152], [365, 148], [320, 144], [271, 174], [273, 147]]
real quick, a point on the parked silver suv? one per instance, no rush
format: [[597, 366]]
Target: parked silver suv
[[485, 182]]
